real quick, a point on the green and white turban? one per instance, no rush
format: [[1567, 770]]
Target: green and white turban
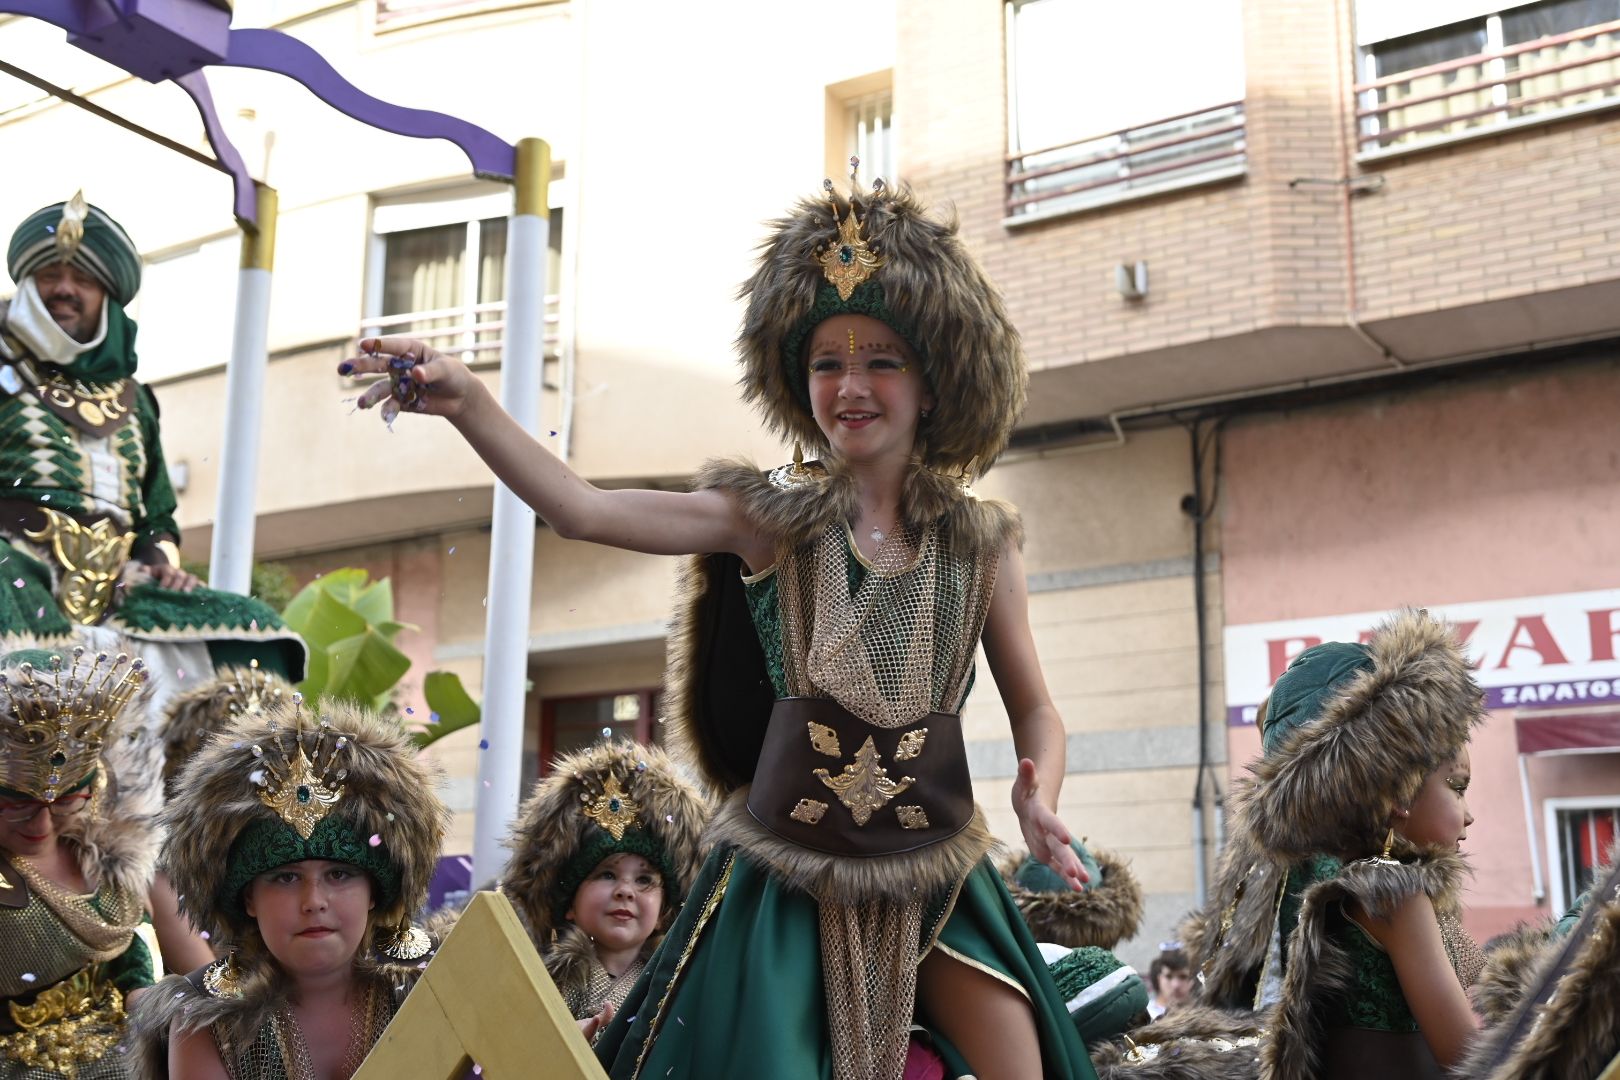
[[105, 251]]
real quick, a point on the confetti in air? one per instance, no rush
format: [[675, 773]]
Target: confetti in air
[[28, 977], [375, 840], [19, 583], [483, 744]]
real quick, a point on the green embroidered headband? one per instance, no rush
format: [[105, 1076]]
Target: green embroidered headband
[[268, 843]]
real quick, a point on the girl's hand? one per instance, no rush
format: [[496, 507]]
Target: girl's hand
[[420, 378], [592, 1026], [1044, 832]]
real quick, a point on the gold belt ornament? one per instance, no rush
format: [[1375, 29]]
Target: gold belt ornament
[[92, 555], [75, 1022]]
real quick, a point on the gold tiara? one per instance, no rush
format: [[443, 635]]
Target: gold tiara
[[53, 724], [301, 788]]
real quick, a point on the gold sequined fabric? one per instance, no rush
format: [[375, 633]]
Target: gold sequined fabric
[[94, 927], [869, 968], [903, 645], [586, 1001], [70, 1030], [280, 1051], [1467, 959]]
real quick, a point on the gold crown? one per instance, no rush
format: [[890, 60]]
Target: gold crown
[[300, 789], [848, 262], [53, 724], [252, 692]]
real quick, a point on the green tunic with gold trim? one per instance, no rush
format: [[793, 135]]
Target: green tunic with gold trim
[[740, 985], [85, 497]]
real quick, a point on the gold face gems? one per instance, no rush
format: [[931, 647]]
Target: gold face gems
[[613, 809], [852, 343]]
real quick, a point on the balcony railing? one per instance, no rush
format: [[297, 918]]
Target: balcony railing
[[1193, 148], [475, 331], [1532, 81]]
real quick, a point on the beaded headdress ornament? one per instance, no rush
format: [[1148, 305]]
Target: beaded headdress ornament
[[53, 724], [301, 789]]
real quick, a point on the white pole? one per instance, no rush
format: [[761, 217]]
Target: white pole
[[230, 560], [511, 544]]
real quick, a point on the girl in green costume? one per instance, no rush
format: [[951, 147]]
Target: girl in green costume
[[1361, 791], [828, 624]]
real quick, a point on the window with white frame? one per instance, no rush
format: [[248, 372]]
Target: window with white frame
[[438, 271], [1111, 101], [1450, 69], [870, 134], [1582, 833]]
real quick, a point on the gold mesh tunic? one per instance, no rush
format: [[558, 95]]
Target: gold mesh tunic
[[60, 1008]]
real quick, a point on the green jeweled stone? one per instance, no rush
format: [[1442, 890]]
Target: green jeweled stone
[[846, 254], [59, 758], [303, 793]]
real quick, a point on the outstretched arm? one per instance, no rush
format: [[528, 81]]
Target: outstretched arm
[[1037, 729], [1411, 936], [655, 522]]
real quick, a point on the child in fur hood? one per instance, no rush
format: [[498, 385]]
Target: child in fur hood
[[301, 842], [603, 853], [1362, 791], [824, 645]]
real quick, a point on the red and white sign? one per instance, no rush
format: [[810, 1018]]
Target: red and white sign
[[1530, 651]]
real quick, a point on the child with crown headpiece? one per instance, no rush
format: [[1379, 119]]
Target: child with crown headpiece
[[824, 647], [78, 844], [603, 853], [301, 841]]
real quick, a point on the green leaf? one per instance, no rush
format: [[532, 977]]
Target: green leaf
[[390, 630], [330, 621], [363, 667], [315, 675], [449, 699], [375, 603]]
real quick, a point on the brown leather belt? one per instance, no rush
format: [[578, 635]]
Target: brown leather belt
[[829, 781]]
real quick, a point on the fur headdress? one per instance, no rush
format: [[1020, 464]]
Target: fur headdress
[[1332, 783], [879, 253], [1107, 911], [288, 785], [192, 716], [609, 798]]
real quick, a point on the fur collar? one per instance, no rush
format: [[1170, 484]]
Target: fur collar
[[179, 1003], [1247, 882], [1318, 967], [1195, 1042], [571, 957]]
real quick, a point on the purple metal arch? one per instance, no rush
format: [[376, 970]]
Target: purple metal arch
[[173, 40]]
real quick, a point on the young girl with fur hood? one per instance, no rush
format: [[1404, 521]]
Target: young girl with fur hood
[[1362, 791], [825, 643], [302, 842], [603, 853]]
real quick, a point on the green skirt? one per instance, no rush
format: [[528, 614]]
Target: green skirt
[[735, 989], [235, 628]]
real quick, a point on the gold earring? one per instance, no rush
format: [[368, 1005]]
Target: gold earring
[[1389, 842], [798, 458]]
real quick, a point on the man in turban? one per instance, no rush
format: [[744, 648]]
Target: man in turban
[[87, 530]]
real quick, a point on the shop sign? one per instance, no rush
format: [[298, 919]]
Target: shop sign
[[1529, 652]]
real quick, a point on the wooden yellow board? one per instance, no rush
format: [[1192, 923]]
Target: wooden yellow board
[[485, 999]]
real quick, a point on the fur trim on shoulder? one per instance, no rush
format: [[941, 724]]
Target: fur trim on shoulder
[[1511, 965], [572, 955], [799, 513], [1193, 1042], [1334, 782], [850, 879], [119, 844], [1576, 1034], [1319, 968], [1247, 884], [1103, 914], [971, 354], [552, 827]]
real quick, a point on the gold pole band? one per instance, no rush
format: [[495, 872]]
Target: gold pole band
[[259, 241], [533, 176]]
